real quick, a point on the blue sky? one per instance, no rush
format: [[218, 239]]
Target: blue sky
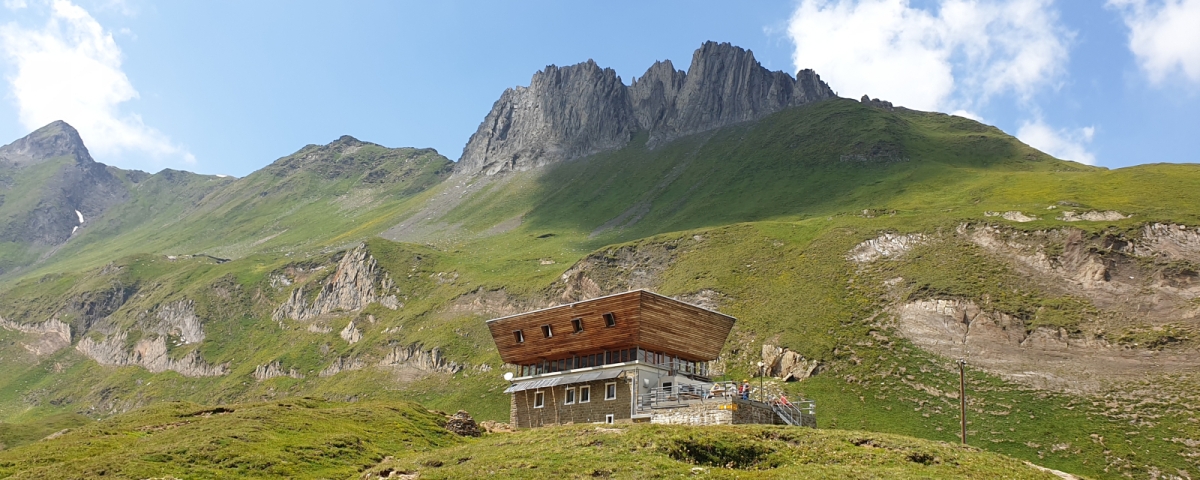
[[227, 87]]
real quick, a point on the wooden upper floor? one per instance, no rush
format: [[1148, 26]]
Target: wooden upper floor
[[632, 319]]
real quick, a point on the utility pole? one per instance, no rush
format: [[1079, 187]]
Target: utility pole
[[962, 397]]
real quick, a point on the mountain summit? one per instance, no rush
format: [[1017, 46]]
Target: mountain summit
[[57, 139], [574, 111]]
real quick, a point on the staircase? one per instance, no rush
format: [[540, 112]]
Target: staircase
[[793, 415]]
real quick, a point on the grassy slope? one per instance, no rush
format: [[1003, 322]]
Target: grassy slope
[[303, 202], [306, 438], [784, 274], [298, 438]]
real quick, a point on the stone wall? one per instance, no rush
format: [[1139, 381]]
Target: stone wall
[[555, 411], [715, 412], [754, 412]]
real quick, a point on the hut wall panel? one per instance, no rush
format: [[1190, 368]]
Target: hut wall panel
[[682, 330], [644, 319], [594, 338]]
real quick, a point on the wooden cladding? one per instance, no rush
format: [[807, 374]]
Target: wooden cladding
[[632, 319]]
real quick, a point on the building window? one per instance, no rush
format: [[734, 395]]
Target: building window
[[610, 391], [519, 336], [569, 398], [608, 418], [610, 320], [547, 331], [578, 322], [539, 399], [585, 394]]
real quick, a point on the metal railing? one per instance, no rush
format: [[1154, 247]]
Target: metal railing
[[677, 396], [795, 413]]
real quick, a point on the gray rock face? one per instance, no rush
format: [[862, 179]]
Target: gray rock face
[[564, 113], [179, 318], [579, 110], [357, 282], [57, 139], [726, 85], [414, 357], [49, 336], [274, 370], [148, 353]]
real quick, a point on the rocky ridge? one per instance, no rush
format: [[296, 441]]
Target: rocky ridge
[[574, 111]]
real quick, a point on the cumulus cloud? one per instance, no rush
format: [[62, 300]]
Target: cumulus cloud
[[1067, 144], [1164, 35], [954, 58], [70, 69]]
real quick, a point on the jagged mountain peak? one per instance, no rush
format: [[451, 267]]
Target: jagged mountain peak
[[577, 110], [56, 139]]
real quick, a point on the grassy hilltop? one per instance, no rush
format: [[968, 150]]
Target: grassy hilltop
[[758, 219]]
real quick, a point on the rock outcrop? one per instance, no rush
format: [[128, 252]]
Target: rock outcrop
[[413, 356], [51, 335], [877, 103], [888, 245], [1092, 216], [148, 353], [786, 365], [1042, 357], [179, 319], [574, 111], [351, 334], [357, 282], [1167, 241], [273, 370], [342, 364]]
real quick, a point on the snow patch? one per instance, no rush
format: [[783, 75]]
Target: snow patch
[[74, 229], [80, 215]]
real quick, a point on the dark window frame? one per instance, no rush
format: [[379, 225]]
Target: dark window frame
[[519, 336], [547, 331], [578, 324], [610, 320]]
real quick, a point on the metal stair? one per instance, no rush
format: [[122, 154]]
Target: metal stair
[[791, 414]]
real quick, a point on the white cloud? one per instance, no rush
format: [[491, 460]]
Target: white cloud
[[15, 4], [955, 58], [71, 70], [1164, 35], [1066, 144]]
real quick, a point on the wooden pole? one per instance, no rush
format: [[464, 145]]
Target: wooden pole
[[962, 397]]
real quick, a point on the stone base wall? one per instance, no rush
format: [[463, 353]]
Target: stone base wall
[[754, 412], [709, 413], [556, 412]]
